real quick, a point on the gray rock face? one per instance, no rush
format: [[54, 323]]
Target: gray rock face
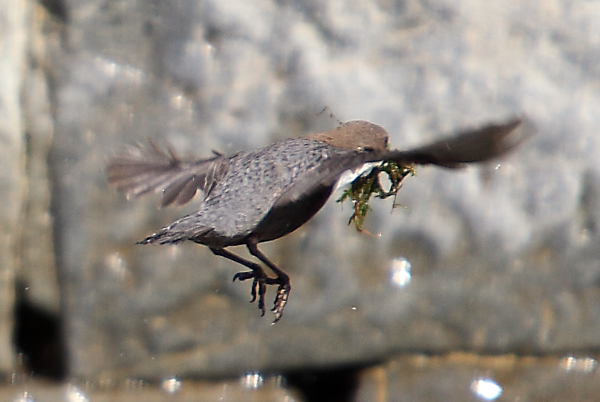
[[497, 258], [12, 168]]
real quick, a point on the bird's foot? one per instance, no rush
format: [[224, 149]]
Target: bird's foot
[[259, 288], [283, 292]]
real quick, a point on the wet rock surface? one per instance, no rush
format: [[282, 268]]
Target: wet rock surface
[[500, 258], [168, 390], [463, 377], [452, 377]]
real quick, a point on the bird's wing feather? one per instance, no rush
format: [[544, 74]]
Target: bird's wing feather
[[139, 170], [321, 176], [469, 146]]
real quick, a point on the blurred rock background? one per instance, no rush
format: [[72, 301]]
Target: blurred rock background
[[499, 259]]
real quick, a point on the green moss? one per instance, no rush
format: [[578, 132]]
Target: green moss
[[365, 186]]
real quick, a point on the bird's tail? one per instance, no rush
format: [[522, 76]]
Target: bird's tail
[[138, 170], [186, 228]]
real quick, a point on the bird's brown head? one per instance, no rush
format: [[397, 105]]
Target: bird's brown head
[[358, 135]]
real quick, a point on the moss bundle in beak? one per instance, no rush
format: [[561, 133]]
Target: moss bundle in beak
[[367, 185]]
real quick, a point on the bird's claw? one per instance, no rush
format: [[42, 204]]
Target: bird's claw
[[242, 276], [283, 292], [259, 288]]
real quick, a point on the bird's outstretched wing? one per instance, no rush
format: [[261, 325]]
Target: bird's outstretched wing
[[141, 169], [469, 146]]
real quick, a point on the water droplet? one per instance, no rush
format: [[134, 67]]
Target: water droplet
[[209, 50], [133, 384], [117, 265], [74, 394], [400, 275], [252, 380], [581, 364], [585, 237], [171, 385], [486, 388], [24, 397], [279, 381]]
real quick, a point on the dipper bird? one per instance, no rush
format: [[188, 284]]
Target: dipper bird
[[256, 196]]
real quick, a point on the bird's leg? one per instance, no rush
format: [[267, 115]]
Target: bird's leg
[[283, 280], [260, 280]]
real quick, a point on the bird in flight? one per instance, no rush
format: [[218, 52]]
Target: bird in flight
[[257, 196]]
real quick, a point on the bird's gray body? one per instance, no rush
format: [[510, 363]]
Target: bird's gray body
[[242, 202]]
